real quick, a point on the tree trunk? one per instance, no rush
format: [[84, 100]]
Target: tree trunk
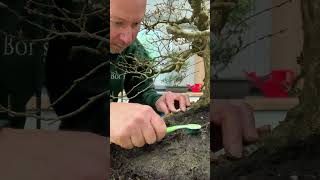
[[310, 99], [202, 21], [205, 98]]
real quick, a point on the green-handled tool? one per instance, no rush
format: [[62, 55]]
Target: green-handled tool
[[192, 127]]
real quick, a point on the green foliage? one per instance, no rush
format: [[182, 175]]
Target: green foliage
[[227, 43]]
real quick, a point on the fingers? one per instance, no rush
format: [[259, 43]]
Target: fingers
[[137, 138], [149, 133], [238, 127], [169, 100], [251, 134], [144, 131], [188, 103], [159, 126], [227, 117], [125, 142], [162, 106], [232, 136], [166, 103], [246, 117], [122, 138], [184, 101], [149, 127]]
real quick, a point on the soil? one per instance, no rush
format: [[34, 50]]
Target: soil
[[299, 161], [179, 155]]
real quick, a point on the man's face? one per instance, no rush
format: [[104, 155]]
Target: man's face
[[125, 20]]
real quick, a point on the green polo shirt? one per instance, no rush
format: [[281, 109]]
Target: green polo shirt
[[137, 89]]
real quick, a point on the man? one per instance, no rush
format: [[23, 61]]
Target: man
[[134, 124]]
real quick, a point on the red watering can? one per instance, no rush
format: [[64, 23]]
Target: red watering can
[[195, 87], [275, 84]]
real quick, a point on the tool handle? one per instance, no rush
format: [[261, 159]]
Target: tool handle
[[171, 129]]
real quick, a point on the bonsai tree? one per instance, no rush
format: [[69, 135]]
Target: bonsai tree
[[301, 125]]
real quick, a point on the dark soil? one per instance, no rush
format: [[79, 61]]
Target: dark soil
[[301, 160], [178, 156]]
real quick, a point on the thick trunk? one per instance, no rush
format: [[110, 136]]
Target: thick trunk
[[310, 99], [203, 23]]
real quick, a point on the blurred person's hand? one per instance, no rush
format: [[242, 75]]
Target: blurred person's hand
[[232, 126]]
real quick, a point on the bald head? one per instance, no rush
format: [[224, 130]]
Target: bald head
[[125, 19], [129, 5]]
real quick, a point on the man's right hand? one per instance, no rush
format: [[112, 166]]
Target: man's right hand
[[134, 125]]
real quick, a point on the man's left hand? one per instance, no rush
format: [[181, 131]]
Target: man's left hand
[[165, 103]]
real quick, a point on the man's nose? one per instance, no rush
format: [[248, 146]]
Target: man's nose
[[126, 36]]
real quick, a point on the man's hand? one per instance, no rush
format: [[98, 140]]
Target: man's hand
[[232, 126], [134, 125], [165, 103]]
